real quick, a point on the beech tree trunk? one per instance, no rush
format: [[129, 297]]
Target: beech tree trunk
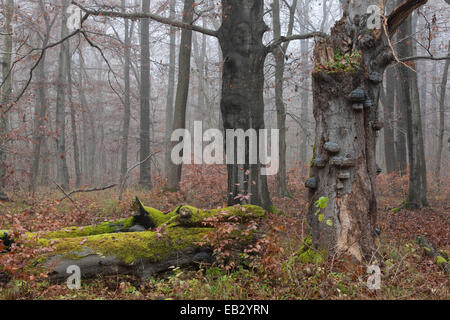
[[184, 71], [89, 132], [279, 55], [61, 161], [144, 133], [442, 120], [242, 103], [388, 105], [127, 105], [346, 99], [304, 95], [171, 88], [5, 98], [400, 129], [42, 107], [417, 195], [76, 150]]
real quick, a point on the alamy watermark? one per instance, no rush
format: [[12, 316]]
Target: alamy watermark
[[237, 143], [374, 280], [74, 281]]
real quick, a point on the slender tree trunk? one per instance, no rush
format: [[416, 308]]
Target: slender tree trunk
[[417, 197], [5, 98], [304, 95], [279, 54], [400, 145], [41, 109], [144, 134], [179, 118], [171, 88], [242, 104], [61, 161], [76, 150], [389, 143], [127, 106], [442, 120], [89, 131]]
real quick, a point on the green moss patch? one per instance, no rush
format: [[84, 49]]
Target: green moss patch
[[128, 247], [307, 254]]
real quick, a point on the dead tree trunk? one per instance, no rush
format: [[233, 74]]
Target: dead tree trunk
[[346, 86], [142, 245]]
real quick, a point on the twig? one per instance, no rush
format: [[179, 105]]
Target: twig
[[124, 179], [62, 190], [87, 190], [392, 48]]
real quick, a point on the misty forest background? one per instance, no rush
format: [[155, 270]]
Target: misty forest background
[[99, 90]]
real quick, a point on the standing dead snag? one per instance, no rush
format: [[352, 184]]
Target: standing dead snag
[[349, 67], [119, 247]]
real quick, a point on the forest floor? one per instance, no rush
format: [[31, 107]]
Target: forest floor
[[406, 273]]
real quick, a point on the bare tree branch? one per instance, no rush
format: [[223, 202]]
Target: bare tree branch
[[401, 13], [87, 190], [424, 58], [276, 42], [137, 15]]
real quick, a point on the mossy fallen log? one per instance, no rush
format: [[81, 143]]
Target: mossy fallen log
[[120, 247], [440, 258]]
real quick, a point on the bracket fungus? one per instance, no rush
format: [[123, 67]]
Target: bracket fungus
[[357, 97], [311, 183], [332, 147]]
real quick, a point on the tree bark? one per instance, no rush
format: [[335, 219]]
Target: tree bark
[[184, 70], [144, 133], [242, 103]]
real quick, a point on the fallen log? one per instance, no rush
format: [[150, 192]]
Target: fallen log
[[127, 247], [439, 258]]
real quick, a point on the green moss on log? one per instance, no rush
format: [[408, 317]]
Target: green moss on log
[[185, 228], [128, 247], [73, 232]]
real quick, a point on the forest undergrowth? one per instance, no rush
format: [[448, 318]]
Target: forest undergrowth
[[274, 273]]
